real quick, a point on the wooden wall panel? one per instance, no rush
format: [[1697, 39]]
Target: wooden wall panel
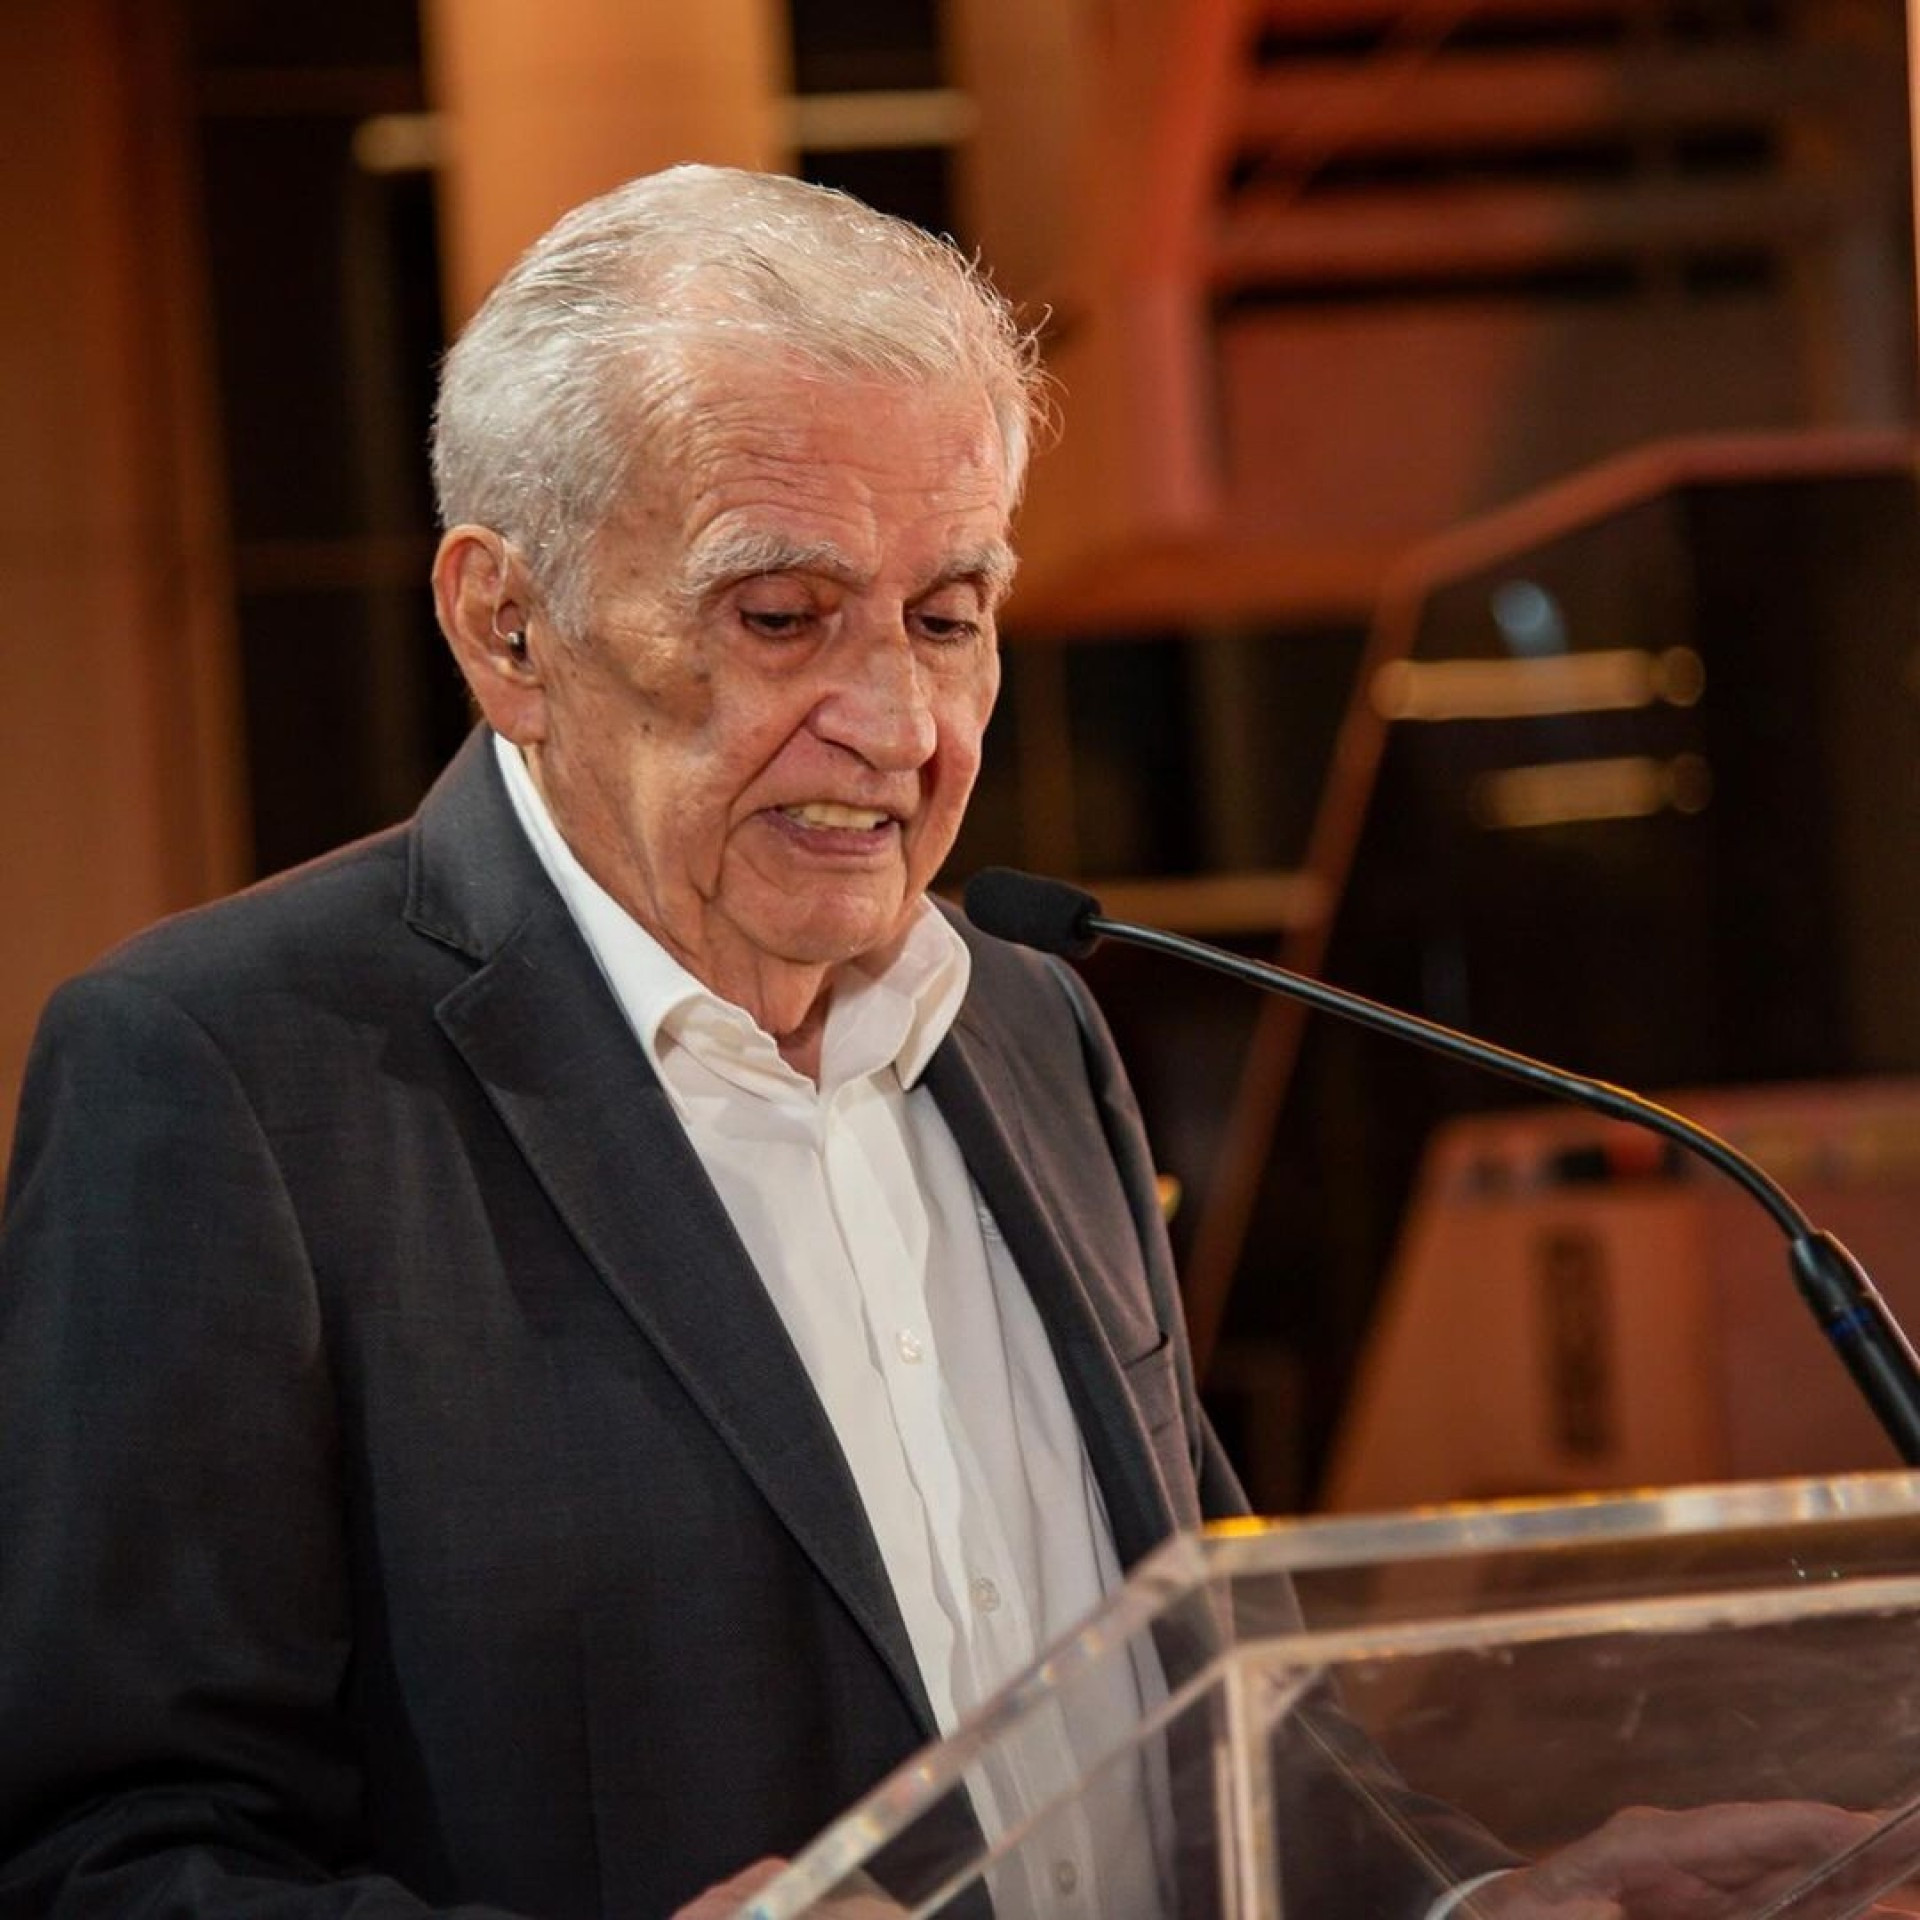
[[1390, 426], [547, 102], [120, 777]]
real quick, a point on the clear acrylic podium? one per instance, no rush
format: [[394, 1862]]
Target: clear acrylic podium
[[1347, 1718]]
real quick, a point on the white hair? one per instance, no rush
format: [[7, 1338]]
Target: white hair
[[563, 382]]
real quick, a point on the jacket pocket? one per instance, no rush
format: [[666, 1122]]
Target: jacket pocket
[[1153, 1384]]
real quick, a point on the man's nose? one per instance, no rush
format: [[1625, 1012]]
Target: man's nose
[[877, 706]]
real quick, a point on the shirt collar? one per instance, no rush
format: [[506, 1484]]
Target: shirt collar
[[895, 1015]]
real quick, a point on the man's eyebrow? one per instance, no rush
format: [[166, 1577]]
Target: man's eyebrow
[[748, 553], [992, 565]]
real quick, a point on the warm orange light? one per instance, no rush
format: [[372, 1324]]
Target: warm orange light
[[1606, 679], [1562, 792]]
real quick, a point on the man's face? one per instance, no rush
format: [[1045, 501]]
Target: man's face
[[763, 743]]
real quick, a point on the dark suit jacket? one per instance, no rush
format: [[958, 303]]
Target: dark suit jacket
[[407, 1492]]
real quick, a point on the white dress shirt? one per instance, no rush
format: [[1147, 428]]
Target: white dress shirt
[[912, 1322]]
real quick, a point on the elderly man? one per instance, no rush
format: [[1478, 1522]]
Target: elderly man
[[543, 1353]]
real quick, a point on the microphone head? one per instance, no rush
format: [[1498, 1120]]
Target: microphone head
[[1022, 907]]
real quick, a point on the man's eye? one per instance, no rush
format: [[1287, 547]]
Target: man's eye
[[947, 629], [776, 623]]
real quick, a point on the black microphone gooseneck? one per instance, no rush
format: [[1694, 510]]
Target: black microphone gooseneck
[[1057, 918]]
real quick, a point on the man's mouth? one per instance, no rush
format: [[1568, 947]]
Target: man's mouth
[[830, 815]]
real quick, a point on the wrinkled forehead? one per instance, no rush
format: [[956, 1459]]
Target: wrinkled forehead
[[727, 396], [793, 436]]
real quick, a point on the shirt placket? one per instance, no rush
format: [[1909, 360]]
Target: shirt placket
[[995, 1635], [888, 1272]]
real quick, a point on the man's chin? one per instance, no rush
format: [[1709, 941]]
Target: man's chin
[[840, 932]]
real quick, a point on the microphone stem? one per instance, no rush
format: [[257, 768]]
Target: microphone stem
[[1832, 1282]]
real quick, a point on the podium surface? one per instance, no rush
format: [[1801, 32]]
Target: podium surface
[[1337, 1719]]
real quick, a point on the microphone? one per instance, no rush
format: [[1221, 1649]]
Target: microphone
[[1056, 918]]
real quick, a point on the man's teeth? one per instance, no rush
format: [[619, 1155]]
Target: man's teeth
[[825, 813]]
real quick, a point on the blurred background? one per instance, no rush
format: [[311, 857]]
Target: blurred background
[[1480, 564]]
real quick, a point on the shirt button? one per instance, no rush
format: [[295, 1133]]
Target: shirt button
[[986, 1596], [911, 1351], [1066, 1878]]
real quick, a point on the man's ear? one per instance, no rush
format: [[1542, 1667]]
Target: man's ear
[[480, 592]]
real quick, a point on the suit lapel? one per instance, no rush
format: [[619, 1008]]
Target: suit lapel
[[1033, 1188], [542, 1032]]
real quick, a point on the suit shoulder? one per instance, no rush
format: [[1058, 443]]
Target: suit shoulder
[[1004, 969], [1034, 1004], [313, 916]]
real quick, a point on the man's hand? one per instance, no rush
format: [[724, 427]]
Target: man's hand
[[1711, 1863]]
